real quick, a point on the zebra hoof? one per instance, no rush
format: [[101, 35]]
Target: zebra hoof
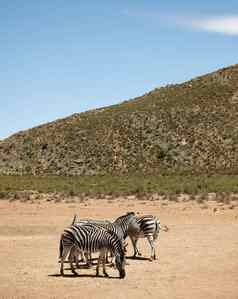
[[105, 274]]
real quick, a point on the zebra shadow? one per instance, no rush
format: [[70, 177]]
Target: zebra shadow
[[71, 275], [83, 265], [139, 258]]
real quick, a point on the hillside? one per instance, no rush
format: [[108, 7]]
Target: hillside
[[189, 127]]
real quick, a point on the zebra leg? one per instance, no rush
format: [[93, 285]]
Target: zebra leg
[[107, 254], [77, 258], [137, 250], [72, 267], [104, 266], [62, 259], [73, 256], [155, 241], [84, 257], [133, 244], [134, 241], [98, 264], [152, 246], [107, 258], [89, 259]]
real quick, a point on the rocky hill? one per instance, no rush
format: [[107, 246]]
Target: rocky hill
[[189, 127]]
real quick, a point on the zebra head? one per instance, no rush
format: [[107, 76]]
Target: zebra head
[[127, 216], [120, 264]]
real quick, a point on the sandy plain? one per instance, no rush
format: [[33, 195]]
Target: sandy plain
[[197, 257]]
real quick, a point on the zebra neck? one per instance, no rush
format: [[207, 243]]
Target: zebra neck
[[123, 227]]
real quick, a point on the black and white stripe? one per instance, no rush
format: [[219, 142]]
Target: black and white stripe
[[90, 238], [75, 252], [149, 228], [120, 227]]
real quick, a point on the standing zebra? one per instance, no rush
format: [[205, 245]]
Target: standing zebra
[[149, 228], [89, 238], [120, 227]]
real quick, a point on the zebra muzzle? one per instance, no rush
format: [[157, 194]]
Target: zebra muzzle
[[122, 274]]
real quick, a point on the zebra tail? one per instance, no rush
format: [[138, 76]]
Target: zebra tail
[[164, 228], [161, 227], [74, 219]]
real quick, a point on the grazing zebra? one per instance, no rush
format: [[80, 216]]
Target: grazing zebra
[[74, 253], [89, 238], [120, 227], [149, 228]]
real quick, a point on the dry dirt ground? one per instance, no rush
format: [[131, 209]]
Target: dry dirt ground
[[197, 257]]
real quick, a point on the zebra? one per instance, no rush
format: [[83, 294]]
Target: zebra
[[149, 228], [74, 253], [89, 238], [120, 227]]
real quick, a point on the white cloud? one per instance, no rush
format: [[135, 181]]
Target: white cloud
[[225, 24]]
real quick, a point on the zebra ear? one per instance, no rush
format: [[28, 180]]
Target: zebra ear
[[130, 213]]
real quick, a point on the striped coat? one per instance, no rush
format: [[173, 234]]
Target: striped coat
[[89, 238], [120, 227], [149, 229]]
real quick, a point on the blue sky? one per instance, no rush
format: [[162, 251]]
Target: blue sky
[[62, 57]]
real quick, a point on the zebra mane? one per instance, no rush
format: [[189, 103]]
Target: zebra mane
[[124, 216]]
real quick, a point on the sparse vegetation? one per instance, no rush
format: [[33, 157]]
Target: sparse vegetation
[[189, 127], [142, 186]]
